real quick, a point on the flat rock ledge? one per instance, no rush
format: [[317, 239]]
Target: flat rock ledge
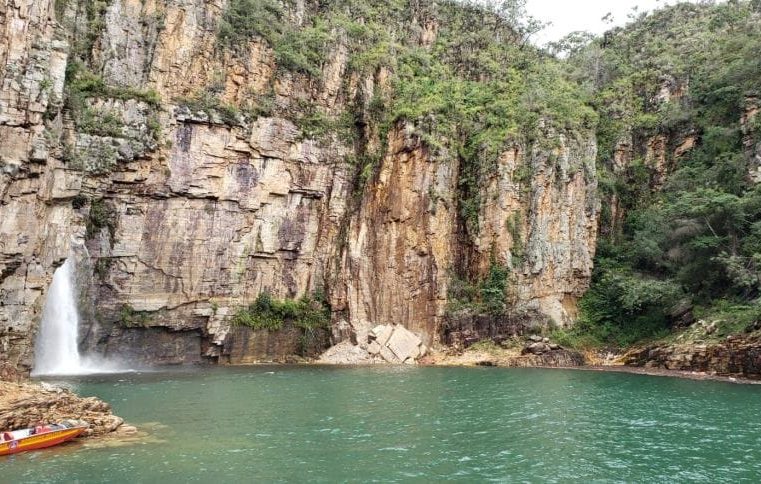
[[737, 355], [24, 405], [507, 358], [389, 344]]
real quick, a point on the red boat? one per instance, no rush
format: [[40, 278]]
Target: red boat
[[38, 437]]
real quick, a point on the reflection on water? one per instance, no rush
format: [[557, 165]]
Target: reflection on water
[[429, 424]]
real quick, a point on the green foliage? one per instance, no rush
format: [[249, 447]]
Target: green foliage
[[488, 295], [78, 202], [99, 123], [209, 102], [308, 313], [304, 50], [712, 46], [513, 225], [87, 24], [129, 318], [299, 50], [59, 7], [486, 346], [100, 156], [103, 266], [315, 124], [367, 164], [244, 19], [494, 289], [475, 91], [475, 106], [621, 308], [730, 317], [102, 215], [81, 83], [154, 127], [696, 228]]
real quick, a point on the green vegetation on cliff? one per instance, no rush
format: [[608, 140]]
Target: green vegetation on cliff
[[668, 97], [308, 313], [687, 219], [463, 73], [486, 295], [102, 215], [475, 106], [460, 75]]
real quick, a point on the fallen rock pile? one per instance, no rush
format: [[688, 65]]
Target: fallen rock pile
[[395, 344], [538, 345], [387, 343]]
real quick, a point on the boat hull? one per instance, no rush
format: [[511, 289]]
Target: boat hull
[[40, 441]]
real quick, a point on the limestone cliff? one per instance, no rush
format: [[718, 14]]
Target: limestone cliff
[[188, 178]]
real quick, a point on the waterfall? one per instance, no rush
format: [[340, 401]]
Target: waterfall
[[56, 348]]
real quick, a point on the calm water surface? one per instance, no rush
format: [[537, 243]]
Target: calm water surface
[[413, 424]]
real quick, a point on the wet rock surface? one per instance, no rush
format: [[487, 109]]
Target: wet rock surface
[[466, 327]]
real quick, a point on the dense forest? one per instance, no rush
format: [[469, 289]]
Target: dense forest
[[684, 230]]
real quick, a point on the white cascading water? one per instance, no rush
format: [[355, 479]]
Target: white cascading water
[[56, 348]]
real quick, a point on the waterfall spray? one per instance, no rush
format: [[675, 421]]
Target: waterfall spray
[[57, 345]]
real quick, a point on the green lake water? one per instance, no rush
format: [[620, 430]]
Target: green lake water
[[316, 424]]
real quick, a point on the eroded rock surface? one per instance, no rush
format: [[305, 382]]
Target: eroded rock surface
[[738, 356], [181, 214], [508, 358], [24, 405]]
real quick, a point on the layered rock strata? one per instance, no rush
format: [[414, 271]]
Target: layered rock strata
[[738, 356], [182, 213], [507, 358], [24, 405]]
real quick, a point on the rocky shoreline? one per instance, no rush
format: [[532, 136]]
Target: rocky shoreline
[[27, 404], [508, 358], [24, 405], [570, 360], [685, 374], [736, 356], [736, 359]]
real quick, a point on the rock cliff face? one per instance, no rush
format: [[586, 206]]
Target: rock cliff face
[[545, 225], [36, 218], [182, 211]]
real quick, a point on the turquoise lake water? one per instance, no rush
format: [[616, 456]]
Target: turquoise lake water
[[315, 424]]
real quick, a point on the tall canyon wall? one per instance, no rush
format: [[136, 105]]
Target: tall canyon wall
[[181, 213]]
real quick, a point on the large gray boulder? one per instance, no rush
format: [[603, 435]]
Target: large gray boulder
[[385, 343]]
